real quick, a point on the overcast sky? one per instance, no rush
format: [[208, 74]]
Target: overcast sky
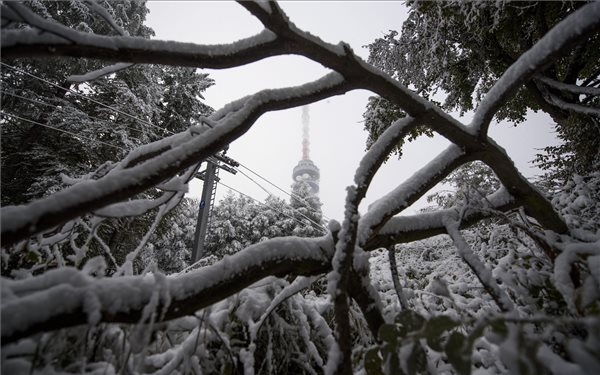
[[273, 146]]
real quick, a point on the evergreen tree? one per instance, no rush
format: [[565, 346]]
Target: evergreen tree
[[307, 210], [238, 221]]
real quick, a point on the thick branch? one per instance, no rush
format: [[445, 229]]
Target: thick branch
[[577, 27], [40, 308], [410, 191], [404, 229], [20, 222], [64, 41]]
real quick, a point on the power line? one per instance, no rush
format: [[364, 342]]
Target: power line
[[56, 106], [86, 97], [264, 204], [291, 195], [61, 130], [268, 192]]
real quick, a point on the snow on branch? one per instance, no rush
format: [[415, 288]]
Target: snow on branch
[[67, 297], [60, 40], [90, 76], [575, 89], [410, 191], [404, 229], [20, 222], [580, 25], [98, 9], [483, 273]]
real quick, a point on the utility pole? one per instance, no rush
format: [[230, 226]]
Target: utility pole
[[208, 194]]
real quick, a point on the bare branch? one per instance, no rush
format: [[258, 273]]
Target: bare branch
[[569, 88], [577, 27]]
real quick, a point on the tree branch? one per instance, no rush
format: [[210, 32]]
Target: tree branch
[[578, 26], [477, 266], [20, 222], [67, 303], [404, 229]]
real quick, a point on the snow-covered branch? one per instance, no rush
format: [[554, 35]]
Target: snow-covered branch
[[580, 25], [60, 40], [66, 298], [405, 229], [409, 191], [480, 270], [107, 70], [19, 222], [343, 259], [575, 89]]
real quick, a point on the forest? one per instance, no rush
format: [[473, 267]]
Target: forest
[[103, 127]]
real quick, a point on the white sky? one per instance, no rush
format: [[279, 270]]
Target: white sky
[[273, 146]]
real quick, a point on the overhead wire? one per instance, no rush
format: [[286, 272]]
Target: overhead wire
[[4, 113], [139, 120], [295, 209], [264, 204], [291, 195], [85, 97], [56, 106]]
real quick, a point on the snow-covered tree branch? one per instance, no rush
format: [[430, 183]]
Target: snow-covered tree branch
[[243, 311]]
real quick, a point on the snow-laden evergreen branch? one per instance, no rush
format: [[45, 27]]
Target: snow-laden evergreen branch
[[577, 27]]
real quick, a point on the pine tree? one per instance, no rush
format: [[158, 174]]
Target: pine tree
[[307, 210]]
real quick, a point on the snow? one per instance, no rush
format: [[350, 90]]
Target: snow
[[483, 273], [134, 207], [90, 76], [570, 253], [62, 35], [372, 160], [187, 153]]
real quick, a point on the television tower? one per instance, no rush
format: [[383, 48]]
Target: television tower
[[306, 170]]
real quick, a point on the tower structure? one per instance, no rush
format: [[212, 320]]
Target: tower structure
[[306, 170]]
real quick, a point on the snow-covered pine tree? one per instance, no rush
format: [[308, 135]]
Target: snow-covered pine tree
[[238, 221], [307, 210]]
